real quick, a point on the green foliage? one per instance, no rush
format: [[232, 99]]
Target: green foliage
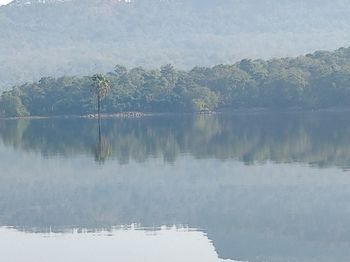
[[100, 86], [11, 105], [315, 81], [204, 99]]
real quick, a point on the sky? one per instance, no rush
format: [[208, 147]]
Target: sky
[[4, 2]]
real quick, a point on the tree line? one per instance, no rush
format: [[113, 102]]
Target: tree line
[[315, 81]]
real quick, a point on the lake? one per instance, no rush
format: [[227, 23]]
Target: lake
[[257, 187]]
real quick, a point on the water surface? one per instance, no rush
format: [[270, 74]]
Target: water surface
[[243, 187]]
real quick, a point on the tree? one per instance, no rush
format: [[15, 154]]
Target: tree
[[101, 87], [11, 106]]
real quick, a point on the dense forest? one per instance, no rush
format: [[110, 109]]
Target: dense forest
[[315, 81], [83, 37]]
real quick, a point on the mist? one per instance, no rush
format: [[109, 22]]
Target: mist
[[81, 37]]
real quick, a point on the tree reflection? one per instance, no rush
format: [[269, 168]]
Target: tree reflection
[[250, 138], [103, 150]]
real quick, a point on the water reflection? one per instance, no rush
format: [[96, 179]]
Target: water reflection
[[316, 139], [132, 245], [244, 181], [103, 150]]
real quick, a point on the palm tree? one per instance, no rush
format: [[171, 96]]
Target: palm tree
[[101, 88]]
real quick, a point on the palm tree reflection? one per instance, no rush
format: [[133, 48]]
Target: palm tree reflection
[[103, 150]]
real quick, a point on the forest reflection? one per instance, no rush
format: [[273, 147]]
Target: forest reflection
[[320, 139], [250, 212]]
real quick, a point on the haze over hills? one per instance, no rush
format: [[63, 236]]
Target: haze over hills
[[4, 2], [81, 37]]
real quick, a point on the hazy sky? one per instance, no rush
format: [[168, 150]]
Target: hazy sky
[[4, 2]]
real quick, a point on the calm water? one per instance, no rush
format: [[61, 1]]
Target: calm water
[[254, 187]]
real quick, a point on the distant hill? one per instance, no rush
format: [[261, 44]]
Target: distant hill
[[77, 37]]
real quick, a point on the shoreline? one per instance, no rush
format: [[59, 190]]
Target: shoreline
[[136, 115]]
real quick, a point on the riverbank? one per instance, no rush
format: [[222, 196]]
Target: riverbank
[[219, 112]]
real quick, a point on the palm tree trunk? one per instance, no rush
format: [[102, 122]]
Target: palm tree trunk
[[99, 117]]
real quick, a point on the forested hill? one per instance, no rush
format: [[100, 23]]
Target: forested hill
[[314, 81], [79, 37]]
